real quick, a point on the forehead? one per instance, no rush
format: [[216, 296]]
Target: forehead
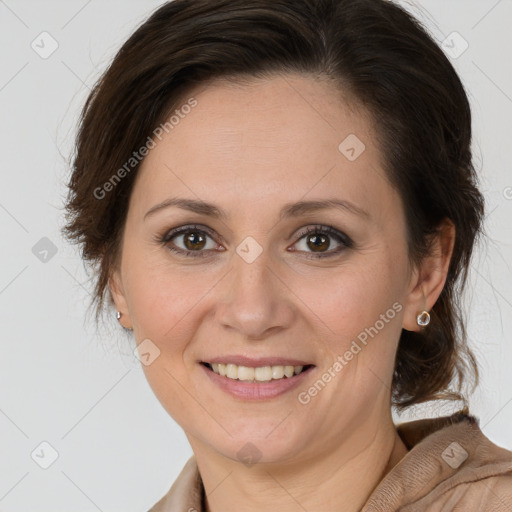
[[290, 135]]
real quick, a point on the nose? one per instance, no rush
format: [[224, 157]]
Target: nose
[[255, 301]]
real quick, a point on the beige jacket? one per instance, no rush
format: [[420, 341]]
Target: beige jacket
[[450, 466]]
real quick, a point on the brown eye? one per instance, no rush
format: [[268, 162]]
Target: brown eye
[[190, 241], [316, 241], [194, 240]]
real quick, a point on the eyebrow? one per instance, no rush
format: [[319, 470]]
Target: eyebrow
[[288, 210]]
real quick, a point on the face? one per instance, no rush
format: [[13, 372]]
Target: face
[[257, 280]]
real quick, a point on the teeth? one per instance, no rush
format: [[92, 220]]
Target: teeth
[[246, 373], [232, 371], [263, 373], [277, 372], [259, 374]]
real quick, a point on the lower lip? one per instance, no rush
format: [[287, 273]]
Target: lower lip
[[256, 390]]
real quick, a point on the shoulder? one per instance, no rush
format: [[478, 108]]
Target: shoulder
[[490, 494], [451, 466], [473, 473], [186, 492]]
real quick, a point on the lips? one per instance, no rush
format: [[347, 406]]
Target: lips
[[256, 382]]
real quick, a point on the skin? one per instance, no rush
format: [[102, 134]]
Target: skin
[[250, 148]]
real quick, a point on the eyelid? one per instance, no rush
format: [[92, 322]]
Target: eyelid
[[324, 228], [171, 233], [188, 227]]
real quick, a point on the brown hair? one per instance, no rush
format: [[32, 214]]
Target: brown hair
[[373, 50]]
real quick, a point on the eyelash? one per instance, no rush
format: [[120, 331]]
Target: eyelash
[[344, 240]]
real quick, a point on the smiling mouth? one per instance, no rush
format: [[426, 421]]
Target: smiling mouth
[[257, 374]]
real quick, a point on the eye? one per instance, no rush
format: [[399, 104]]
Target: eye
[[198, 241], [318, 240], [190, 241]]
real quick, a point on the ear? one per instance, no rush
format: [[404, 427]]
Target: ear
[[115, 285], [429, 277]]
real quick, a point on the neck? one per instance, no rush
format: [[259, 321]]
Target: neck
[[341, 478]]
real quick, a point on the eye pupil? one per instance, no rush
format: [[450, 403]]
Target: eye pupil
[[318, 241], [194, 240]]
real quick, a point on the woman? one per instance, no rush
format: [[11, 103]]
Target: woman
[[280, 202]]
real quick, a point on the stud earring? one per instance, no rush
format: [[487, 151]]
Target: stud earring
[[118, 316], [423, 319]]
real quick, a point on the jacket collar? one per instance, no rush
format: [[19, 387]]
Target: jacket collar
[[443, 452]]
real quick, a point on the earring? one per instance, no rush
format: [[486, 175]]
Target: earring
[[423, 319], [118, 316]]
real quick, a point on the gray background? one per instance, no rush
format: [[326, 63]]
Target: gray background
[[84, 392]]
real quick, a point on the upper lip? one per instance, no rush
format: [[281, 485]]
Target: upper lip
[[257, 361]]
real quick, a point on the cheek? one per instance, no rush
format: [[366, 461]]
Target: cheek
[[164, 303], [352, 299], [363, 312], [161, 294], [363, 309]]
